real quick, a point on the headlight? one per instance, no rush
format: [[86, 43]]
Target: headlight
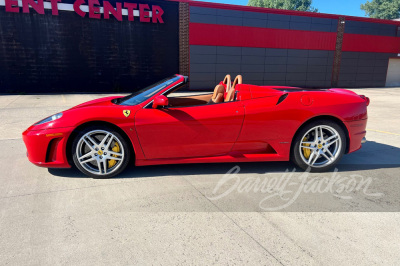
[[49, 119]]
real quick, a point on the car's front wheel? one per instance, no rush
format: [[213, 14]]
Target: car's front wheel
[[319, 146], [100, 152]]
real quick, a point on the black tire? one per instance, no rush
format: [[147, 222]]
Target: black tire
[[95, 132], [299, 155]]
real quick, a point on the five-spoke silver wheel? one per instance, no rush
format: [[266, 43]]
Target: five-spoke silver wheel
[[100, 152], [320, 146]]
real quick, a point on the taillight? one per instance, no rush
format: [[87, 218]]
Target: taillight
[[366, 99]]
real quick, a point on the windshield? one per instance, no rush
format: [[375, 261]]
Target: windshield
[[146, 93]]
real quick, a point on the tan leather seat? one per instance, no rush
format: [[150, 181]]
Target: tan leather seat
[[231, 93], [218, 95], [228, 82], [238, 80]]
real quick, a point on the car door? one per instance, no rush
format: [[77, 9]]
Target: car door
[[187, 132]]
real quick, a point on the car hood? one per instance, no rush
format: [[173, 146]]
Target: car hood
[[105, 101], [102, 109]]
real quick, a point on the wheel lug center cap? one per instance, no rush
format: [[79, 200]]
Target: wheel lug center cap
[[320, 146], [100, 152]]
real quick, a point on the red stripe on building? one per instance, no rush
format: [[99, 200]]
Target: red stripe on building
[[224, 35], [370, 43], [283, 12]]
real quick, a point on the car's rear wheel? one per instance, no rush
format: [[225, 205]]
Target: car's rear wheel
[[100, 152], [319, 146]]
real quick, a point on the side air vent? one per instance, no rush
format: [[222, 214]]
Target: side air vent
[[51, 154], [282, 98]]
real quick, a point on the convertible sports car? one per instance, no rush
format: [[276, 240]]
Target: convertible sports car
[[235, 123]]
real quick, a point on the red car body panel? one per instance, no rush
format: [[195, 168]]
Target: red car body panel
[[188, 132], [258, 126], [38, 143]]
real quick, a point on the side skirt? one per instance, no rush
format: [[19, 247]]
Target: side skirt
[[231, 158]]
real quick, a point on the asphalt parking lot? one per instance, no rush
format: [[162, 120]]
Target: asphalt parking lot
[[180, 214]]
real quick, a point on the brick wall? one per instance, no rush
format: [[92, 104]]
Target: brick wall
[[68, 53], [361, 69], [210, 64], [283, 48]]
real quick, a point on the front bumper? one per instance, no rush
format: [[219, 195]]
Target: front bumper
[[47, 148]]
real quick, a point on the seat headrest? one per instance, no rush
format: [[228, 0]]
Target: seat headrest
[[218, 95], [238, 80], [228, 82], [230, 95], [218, 89]]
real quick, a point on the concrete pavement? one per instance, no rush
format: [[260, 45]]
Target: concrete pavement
[[172, 214]]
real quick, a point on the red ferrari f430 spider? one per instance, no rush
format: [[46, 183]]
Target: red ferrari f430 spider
[[236, 123]]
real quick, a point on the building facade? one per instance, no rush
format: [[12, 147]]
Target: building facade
[[66, 46]]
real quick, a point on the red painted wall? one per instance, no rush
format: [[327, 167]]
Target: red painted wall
[[224, 35]]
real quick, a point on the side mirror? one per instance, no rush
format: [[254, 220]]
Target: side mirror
[[160, 101]]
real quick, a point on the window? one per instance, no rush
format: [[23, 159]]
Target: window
[[148, 92]]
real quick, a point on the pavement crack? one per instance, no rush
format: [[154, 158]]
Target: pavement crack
[[11, 139], [274, 225], [235, 223], [19, 96], [61, 190]]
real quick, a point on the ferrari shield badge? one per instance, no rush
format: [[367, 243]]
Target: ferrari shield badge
[[127, 113]]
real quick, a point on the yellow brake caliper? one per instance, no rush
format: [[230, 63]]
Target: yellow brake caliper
[[116, 148], [306, 152]]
